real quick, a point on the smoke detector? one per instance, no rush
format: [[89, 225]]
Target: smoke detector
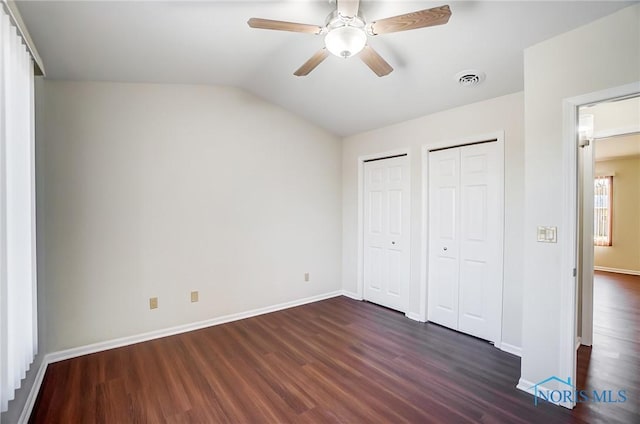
[[470, 77]]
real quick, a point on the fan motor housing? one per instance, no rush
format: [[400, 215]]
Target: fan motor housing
[[336, 20]]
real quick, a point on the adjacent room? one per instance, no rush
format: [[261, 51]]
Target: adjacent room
[[319, 211]]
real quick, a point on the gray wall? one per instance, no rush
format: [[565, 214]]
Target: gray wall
[[157, 190]]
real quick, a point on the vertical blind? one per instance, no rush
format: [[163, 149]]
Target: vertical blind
[[602, 212], [18, 320]]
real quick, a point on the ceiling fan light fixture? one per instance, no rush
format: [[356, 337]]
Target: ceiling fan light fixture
[[345, 41], [346, 32]]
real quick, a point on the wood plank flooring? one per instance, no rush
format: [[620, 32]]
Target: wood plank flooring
[[338, 360]]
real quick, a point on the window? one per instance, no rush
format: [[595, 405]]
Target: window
[[603, 211], [18, 321]]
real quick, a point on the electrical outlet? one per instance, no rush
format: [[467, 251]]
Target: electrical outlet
[[194, 296], [306, 276], [153, 303]]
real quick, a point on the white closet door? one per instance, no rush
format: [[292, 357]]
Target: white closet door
[[465, 239], [444, 194], [386, 232], [480, 288]]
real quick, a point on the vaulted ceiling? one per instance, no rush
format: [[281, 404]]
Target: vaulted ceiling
[[209, 42]]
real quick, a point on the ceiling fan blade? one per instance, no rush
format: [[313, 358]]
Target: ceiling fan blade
[[312, 63], [420, 19], [348, 7], [374, 61], [284, 26]]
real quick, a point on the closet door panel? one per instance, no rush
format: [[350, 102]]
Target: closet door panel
[[479, 237], [387, 232], [444, 194]]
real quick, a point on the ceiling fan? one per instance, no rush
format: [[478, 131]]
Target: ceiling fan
[[346, 33]]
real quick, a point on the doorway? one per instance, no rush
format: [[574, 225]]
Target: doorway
[[608, 177], [579, 228], [609, 242]]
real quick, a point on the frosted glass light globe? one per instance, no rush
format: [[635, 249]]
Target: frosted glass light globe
[[345, 41]]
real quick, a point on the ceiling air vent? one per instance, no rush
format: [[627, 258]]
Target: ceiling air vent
[[470, 78]]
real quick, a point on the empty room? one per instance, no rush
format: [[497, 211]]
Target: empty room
[[355, 211]]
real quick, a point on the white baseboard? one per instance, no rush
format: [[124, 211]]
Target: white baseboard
[[157, 334], [33, 393], [617, 270], [62, 355], [514, 350], [528, 387], [525, 386], [351, 295], [413, 316]]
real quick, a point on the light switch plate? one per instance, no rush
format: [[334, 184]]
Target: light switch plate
[[547, 234]]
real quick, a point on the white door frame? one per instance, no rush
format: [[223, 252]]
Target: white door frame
[[568, 237], [585, 270], [424, 259], [361, 160]]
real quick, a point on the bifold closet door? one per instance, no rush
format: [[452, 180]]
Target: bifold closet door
[[465, 240], [480, 289], [386, 232], [444, 197]]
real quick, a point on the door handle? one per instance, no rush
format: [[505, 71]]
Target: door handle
[[444, 248]]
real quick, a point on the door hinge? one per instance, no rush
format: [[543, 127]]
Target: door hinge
[[575, 272], [585, 142]]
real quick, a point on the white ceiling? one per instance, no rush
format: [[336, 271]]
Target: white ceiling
[[209, 42]]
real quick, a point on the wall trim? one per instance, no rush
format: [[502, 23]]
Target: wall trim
[[33, 393], [62, 355], [171, 331], [617, 270], [351, 295], [527, 386], [414, 316], [509, 348]]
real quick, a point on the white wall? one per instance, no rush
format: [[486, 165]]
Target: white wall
[[157, 190], [600, 55], [503, 113]]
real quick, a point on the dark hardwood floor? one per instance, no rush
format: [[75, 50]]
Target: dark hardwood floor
[[613, 361], [338, 360]]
